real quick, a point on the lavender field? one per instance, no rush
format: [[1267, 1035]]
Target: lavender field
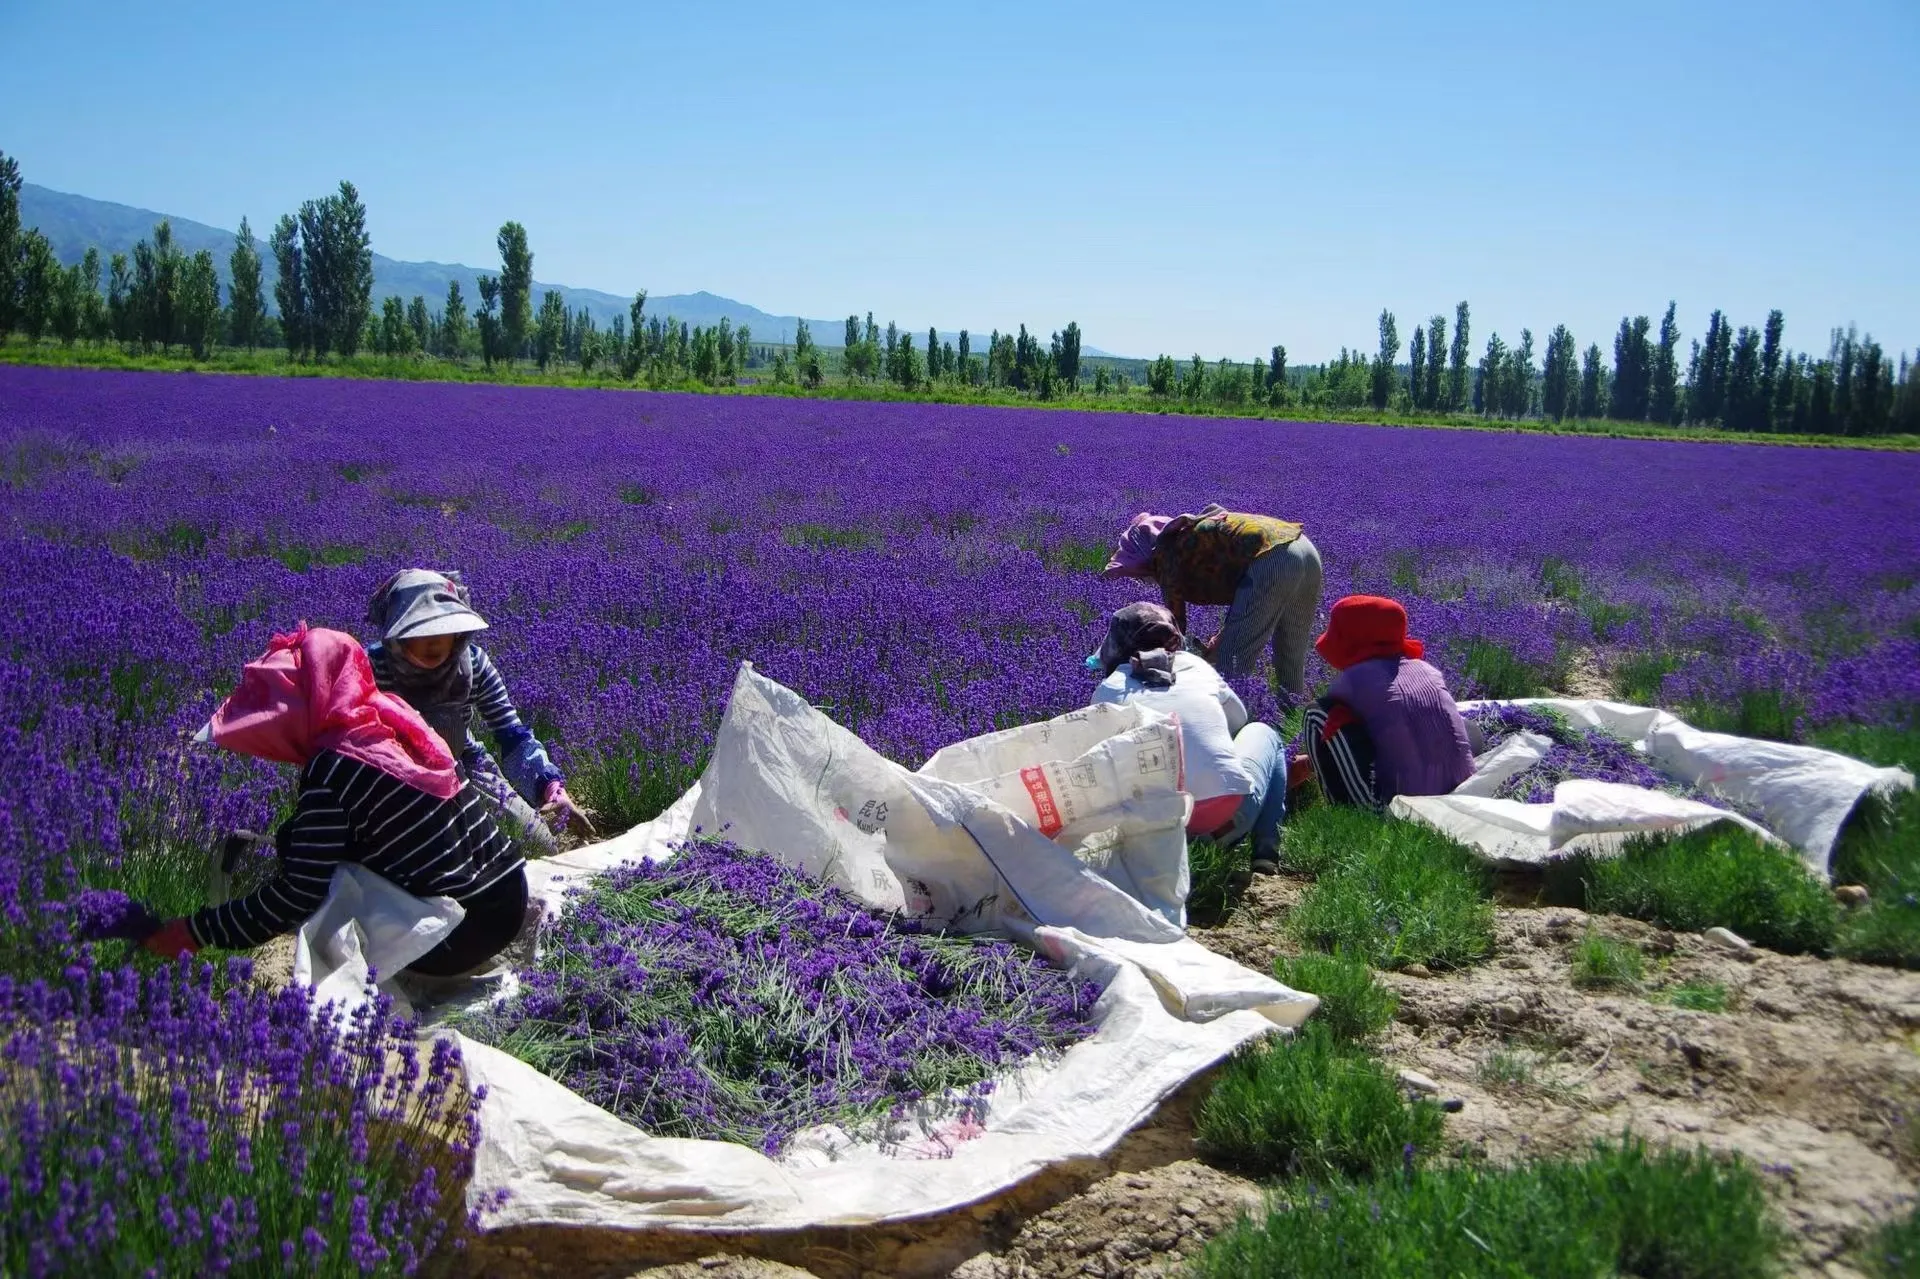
[[925, 572]]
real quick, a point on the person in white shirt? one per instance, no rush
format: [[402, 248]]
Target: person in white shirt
[[1236, 767]]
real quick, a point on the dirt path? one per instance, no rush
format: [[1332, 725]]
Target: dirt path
[[1812, 1073]]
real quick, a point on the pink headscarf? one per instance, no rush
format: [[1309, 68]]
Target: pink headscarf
[[1133, 554], [313, 691]]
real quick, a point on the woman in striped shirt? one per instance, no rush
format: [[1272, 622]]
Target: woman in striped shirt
[[377, 788], [427, 657]]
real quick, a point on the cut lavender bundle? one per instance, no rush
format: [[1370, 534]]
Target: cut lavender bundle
[[724, 995]]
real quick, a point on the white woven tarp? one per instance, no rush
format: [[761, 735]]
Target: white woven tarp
[[1041, 833], [1801, 795]]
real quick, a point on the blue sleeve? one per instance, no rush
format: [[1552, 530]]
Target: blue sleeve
[[523, 758]]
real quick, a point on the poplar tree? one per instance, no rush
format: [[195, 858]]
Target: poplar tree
[[9, 240], [516, 288], [486, 321], [198, 303], [1592, 384], [453, 323], [245, 305], [1558, 389], [1663, 397], [1770, 363], [1383, 367], [1457, 374], [1431, 395], [1417, 361], [290, 288]]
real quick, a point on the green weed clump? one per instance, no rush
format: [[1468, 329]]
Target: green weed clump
[[1409, 895], [1698, 997], [1354, 1007], [626, 787], [1215, 872], [1313, 1106], [1314, 839], [1893, 1251], [1622, 1210], [1720, 875], [1493, 670], [1601, 963], [1880, 849]]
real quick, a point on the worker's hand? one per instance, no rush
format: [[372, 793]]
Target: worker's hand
[[1210, 648], [171, 940], [561, 812], [1299, 771]]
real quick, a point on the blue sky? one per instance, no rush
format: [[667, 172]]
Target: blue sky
[[1213, 179]]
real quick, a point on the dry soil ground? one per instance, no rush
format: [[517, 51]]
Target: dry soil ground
[[1812, 1072]]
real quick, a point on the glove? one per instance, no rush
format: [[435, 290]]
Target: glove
[[105, 915], [561, 812], [172, 939]]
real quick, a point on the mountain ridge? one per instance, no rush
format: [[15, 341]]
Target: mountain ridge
[[74, 223]]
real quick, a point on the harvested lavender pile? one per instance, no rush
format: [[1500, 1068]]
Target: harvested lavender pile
[[1585, 754], [724, 995]]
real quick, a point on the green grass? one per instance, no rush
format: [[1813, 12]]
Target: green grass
[[1699, 997], [1494, 671], [1215, 872], [1641, 677], [1879, 848], [1763, 712], [1313, 1106], [626, 787], [1314, 839], [1621, 1210], [1720, 875], [1402, 893], [1354, 1007], [1893, 1251], [1507, 1068], [1601, 963]]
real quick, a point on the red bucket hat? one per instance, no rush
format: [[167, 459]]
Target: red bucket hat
[[1364, 627]]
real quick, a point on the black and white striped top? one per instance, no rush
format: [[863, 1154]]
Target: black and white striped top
[[353, 812]]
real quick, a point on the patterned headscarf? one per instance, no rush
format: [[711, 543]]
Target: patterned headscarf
[[1144, 635]]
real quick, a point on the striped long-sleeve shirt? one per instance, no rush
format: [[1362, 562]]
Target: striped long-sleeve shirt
[[528, 766], [353, 812]]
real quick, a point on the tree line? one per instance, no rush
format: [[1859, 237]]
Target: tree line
[[1744, 379]]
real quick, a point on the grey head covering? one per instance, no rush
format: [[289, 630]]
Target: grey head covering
[[1144, 635], [418, 603]]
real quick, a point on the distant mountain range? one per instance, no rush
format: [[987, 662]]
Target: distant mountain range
[[75, 223]]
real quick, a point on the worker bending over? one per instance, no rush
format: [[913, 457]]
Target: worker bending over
[[1265, 570]]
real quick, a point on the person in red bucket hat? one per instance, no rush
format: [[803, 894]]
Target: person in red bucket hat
[[1387, 725]]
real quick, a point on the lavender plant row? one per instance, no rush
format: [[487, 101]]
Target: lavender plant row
[[724, 995], [175, 1125], [924, 572]]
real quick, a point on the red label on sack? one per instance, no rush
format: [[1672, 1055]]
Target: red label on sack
[[1041, 794]]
